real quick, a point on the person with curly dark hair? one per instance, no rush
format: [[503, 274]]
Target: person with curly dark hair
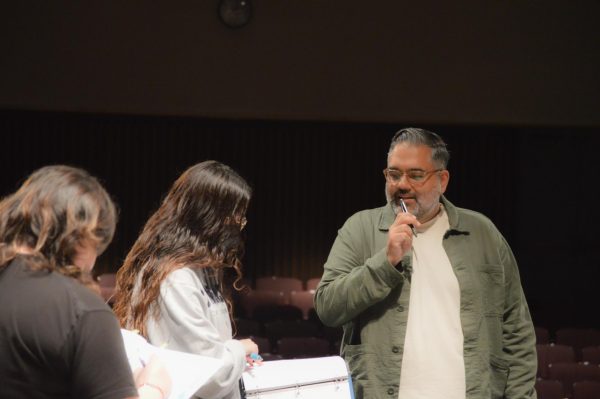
[[171, 286], [58, 339]]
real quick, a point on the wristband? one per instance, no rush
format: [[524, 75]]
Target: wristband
[[151, 385]]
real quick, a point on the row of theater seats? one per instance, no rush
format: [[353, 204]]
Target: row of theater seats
[[553, 389], [286, 284], [278, 313], [312, 337], [576, 338], [551, 354], [568, 363], [276, 291], [275, 329]]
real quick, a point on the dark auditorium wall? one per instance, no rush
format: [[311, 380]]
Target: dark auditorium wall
[[536, 184], [466, 62]]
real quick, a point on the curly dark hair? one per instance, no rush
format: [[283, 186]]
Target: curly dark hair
[[197, 225], [57, 209]]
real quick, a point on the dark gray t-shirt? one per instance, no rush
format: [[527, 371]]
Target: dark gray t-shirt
[[58, 339]]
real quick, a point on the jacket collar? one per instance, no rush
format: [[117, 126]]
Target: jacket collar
[[386, 218]]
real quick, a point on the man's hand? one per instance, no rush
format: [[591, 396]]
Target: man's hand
[[400, 237]]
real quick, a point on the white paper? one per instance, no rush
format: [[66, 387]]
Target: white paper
[[188, 372]]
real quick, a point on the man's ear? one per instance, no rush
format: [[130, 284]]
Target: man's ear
[[444, 179]]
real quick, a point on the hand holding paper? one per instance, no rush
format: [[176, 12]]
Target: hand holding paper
[[188, 372]]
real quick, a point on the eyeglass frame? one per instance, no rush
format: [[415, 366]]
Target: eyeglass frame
[[411, 181], [240, 221]]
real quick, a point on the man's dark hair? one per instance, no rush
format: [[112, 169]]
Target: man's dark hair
[[415, 136]]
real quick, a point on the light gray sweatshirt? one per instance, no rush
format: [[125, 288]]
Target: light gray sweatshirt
[[193, 318]]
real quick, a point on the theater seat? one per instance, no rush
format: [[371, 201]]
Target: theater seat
[[302, 347], [569, 373], [107, 283], [586, 390], [548, 354], [282, 284], [303, 300], [549, 389]]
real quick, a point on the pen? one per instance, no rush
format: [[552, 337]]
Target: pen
[[405, 209]]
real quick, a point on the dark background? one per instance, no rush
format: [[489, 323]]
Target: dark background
[[303, 102]]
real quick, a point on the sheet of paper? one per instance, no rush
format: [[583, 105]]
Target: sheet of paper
[[188, 372]]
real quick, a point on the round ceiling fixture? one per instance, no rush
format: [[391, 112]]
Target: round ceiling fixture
[[235, 13]]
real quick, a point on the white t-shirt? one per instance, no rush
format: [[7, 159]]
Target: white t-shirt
[[432, 364]]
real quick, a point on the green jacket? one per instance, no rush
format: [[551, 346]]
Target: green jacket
[[361, 291]]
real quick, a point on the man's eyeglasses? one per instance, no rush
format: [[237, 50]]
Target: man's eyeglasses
[[414, 177]]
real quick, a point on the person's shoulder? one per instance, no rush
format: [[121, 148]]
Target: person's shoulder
[[51, 284], [83, 297], [49, 292], [363, 222], [367, 215], [471, 214], [183, 276], [182, 273], [473, 219]]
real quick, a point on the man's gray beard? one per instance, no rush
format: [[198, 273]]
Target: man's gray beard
[[395, 207]]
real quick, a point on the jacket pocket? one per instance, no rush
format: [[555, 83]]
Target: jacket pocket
[[491, 280], [498, 376]]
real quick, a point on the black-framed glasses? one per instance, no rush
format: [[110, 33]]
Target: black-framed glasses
[[414, 177]]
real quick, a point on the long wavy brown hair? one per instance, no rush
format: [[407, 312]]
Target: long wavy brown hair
[[57, 209], [197, 225]]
